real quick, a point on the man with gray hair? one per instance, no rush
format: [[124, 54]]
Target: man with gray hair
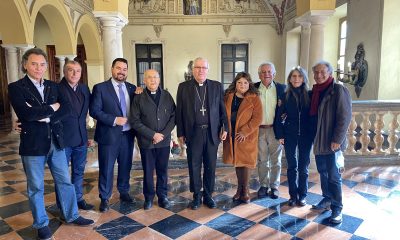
[[269, 148], [202, 124], [40, 107], [76, 140], [330, 113]]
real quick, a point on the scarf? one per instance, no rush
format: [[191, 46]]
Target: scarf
[[316, 91]]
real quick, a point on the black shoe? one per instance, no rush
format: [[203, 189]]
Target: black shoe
[[302, 202], [262, 192], [44, 233], [209, 202], [274, 194], [324, 204], [291, 202], [125, 198], [81, 221], [163, 202], [336, 217], [196, 202], [147, 204], [104, 207], [82, 204]]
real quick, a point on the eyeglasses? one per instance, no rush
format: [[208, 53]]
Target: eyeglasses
[[202, 68]]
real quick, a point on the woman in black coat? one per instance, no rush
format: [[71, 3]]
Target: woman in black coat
[[294, 132]]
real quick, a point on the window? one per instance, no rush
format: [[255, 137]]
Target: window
[[148, 56], [342, 45], [234, 59]]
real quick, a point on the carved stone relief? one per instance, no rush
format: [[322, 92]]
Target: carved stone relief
[[147, 6], [208, 7], [272, 12], [242, 7]]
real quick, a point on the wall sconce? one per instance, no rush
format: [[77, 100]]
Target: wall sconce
[[357, 71]]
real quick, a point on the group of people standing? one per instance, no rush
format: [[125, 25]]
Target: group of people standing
[[267, 116], [254, 121]]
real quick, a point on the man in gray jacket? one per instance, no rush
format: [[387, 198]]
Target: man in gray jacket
[[330, 110], [153, 118]]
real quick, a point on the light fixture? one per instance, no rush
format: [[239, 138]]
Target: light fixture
[[357, 73]]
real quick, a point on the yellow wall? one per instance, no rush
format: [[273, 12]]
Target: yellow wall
[[389, 80], [112, 6], [184, 43], [303, 6]]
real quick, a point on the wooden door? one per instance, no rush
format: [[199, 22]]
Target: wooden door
[[4, 102], [81, 58]]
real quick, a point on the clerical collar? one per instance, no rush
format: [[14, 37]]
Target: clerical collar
[[201, 84], [151, 92]]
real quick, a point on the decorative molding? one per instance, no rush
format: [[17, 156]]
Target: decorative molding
[[157, 30], [214, 12], [278, 7], [242, 7], [81, 6], [227, 29], [146, 7]]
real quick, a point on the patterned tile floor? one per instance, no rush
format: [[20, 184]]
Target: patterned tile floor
[[371, 207]]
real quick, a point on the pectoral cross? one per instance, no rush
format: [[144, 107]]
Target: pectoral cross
[[202, 110]]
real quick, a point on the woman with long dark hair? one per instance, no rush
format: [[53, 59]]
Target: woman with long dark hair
[[294, 132], [244, 112]]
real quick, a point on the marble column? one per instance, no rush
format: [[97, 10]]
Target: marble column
[[12, 73], [62, 59], [304, 43], [111, 26], [21, 51], [313, 24], [120, 25]]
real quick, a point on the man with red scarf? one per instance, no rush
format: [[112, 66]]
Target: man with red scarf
[[331, 111]]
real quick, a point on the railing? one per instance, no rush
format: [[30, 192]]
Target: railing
[[373, 133]]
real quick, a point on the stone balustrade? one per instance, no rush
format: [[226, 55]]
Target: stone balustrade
[[373, 133]]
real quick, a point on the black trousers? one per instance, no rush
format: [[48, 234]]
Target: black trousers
[[155, 158], [122, 153], [202, 151]]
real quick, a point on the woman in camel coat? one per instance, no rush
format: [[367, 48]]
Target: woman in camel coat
[[244, 111]]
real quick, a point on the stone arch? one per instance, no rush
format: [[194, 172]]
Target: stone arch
[[19, 32], [90, 37], [59, 22]]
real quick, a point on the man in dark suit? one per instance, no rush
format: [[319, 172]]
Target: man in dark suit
[[153, 118], [110, 106], [269, 148], [201, 123], [40, 108], [75, 136]]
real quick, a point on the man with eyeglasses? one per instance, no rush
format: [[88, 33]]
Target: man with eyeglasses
[[201, 124], [269, 148]]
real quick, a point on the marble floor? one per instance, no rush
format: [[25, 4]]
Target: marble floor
[[371, 207]]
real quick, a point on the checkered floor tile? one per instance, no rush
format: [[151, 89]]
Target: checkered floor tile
[[371, 207]]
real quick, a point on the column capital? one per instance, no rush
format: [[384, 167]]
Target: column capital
[[111, 16], [10, 47], [314, 17], [64, 57]]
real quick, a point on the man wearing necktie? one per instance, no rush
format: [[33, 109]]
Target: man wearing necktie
[[110, 107]]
